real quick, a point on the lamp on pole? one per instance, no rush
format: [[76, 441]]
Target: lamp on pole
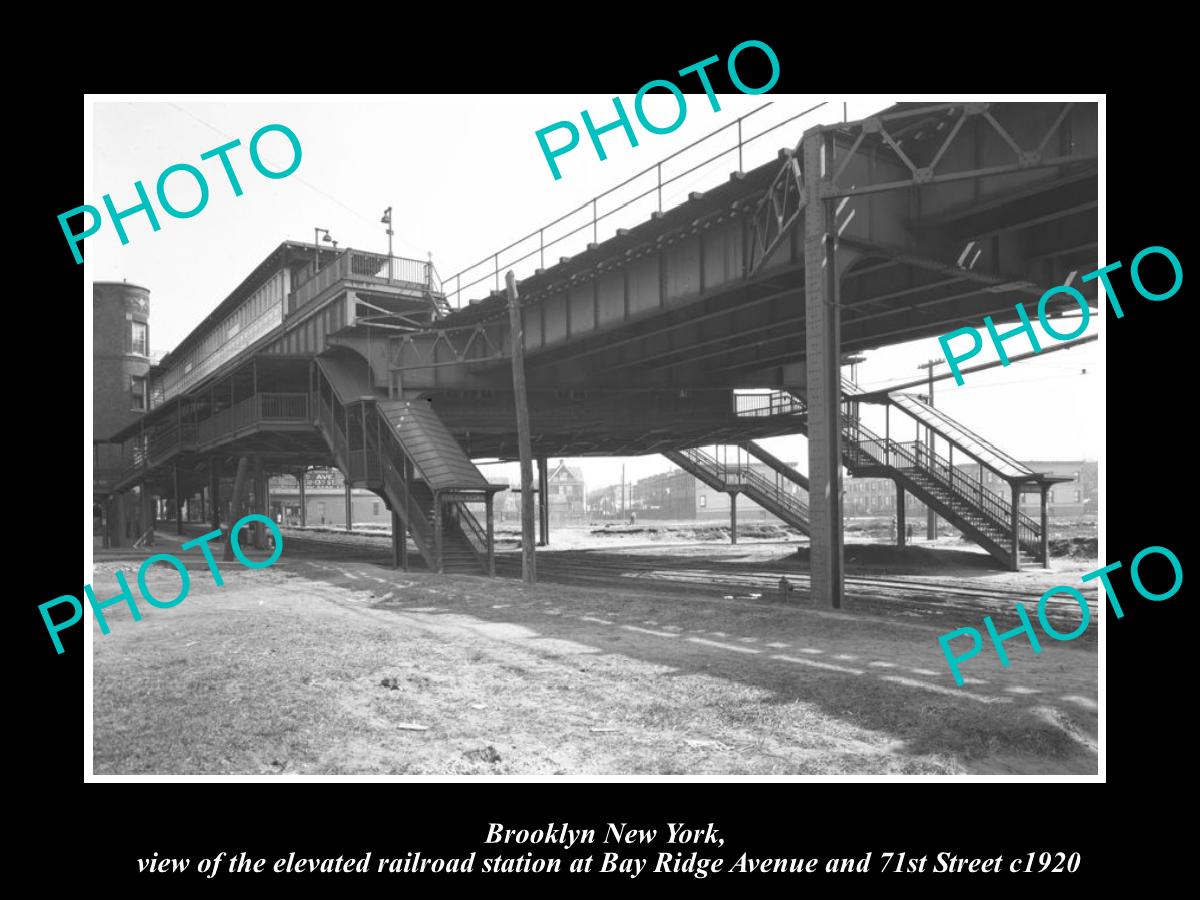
[[317, 244], [387, 220]]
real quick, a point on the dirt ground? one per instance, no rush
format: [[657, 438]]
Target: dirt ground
[[330, 662]]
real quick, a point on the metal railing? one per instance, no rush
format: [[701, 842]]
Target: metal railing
[[471, 529], [866, 448], [415, 517], [767, 403], [491, 265], [283, 406], [863, 445], [327, 419], [250, 411], [756, 485], [158, 444], [361, 266]]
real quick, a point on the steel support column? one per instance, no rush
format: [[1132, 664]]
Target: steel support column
[[236, 502], [824, 389], [349, 506], [931, 518], [900, 511], [733, 517], [1045, 531], [398, 542], [1016, 528], [178, 501], [258, 529], [301, 480], [119, 538], [491, 538], [437, 531], [543, 502], [214, 493], [524, 445], [148, 511]]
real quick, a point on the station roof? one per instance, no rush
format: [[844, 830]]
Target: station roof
[[287, 252]]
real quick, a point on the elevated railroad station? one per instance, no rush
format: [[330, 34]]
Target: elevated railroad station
[[721, 321]]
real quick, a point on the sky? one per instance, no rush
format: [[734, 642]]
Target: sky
[[466, 176]]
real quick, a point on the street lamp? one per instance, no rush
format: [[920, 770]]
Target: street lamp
[[387, 220], [317, 243]]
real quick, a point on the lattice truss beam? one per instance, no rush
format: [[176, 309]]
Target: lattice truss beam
[[917, 146], [445, 347]]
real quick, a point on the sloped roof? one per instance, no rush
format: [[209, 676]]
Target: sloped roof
[[433, 449]]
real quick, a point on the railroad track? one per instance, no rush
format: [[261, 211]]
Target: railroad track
[[742, 581], [864, 593]]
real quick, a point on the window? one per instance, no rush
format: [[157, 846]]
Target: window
[[1078, 496], [703, 500], [140, 341], [187, 367], [1051, 496], [137, 387], [375, 509]]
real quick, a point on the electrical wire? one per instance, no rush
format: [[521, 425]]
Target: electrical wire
[[298, 178]]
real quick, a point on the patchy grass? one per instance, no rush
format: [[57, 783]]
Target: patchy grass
[[300, 669]]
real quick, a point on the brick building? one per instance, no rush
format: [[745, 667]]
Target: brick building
[[120, 366], [677, 495], [324, 500]]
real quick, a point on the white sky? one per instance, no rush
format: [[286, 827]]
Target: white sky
[[465, 176]]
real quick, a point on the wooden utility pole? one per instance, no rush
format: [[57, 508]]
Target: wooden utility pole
[[524, 447]]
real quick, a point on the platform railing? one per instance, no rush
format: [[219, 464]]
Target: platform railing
[[159, 443], [359, 265], [767, 403]]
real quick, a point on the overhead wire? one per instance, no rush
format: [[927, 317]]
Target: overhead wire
[[303, 181]]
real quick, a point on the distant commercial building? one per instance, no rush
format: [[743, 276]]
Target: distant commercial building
[[668, 495], [324, 500], [605, 502]]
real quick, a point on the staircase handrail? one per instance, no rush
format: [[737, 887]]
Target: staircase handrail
[[747, 475], [934, 464], [473, 531]]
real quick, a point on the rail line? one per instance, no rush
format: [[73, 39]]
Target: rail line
[[750, 583]]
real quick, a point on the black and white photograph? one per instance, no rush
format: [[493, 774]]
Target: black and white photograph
[[700, 432]]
